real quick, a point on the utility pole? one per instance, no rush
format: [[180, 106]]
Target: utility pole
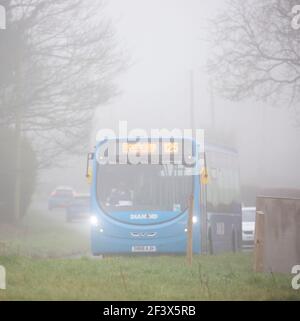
[[192, 102], [18, 142], [212, 105], [189, 249], [18, 162], [15, 54]]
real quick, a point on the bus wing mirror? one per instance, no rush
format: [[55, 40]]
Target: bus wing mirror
[[89, 176], [204, 176], [204, 172], [88, 168]]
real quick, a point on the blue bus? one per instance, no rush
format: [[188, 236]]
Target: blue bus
[[140, 192]]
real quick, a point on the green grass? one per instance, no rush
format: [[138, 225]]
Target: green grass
[[226, 277], [38, 257], [45, 235]]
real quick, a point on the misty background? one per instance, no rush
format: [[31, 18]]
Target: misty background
[[166, 41], [69, 69]]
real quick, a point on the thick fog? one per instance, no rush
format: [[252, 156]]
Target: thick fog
[[72, 69], [167, 41]]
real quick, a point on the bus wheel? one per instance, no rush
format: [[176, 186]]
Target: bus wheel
[[210, 242], [233, 241]]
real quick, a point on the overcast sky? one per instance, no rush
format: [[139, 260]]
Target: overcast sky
[[165, 40]]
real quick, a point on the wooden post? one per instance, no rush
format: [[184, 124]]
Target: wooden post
[[203, 225], [259, 242], [189, 250]]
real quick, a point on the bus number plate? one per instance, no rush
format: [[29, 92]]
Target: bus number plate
[[143, 248]]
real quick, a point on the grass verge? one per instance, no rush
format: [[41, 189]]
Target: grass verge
[[45, 235], [225, 277]]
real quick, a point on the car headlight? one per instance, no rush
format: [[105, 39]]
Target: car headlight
[[94, 220]]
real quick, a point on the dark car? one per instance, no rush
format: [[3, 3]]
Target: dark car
[[79, 208], [61, 197]]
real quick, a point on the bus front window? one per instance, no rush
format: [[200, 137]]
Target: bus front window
[[144, 187]]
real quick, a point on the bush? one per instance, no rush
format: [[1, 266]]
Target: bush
[[8, 174]]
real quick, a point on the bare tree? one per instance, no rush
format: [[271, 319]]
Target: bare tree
[[256, 51], [58, 62]]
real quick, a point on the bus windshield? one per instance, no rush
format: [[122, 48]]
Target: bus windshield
[[144, 187]]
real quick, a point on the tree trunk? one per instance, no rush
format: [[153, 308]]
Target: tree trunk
[[17, 195]]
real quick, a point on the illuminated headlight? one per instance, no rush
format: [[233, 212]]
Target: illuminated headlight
[[94, 220], [195, 219]]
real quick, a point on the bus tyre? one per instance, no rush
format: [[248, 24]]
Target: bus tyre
[[210, 242], [234, 241]]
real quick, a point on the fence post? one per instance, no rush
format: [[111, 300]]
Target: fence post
[[189, 250], [259, 242]]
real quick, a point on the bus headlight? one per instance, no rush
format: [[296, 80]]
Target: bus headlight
[[94, 220], [195, 219]]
